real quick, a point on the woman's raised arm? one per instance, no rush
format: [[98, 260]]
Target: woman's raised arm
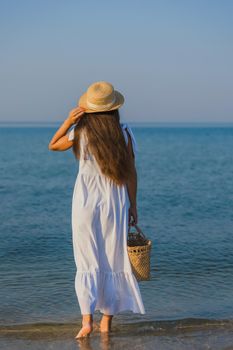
[[60, 141]]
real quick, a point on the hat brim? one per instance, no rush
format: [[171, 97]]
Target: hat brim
[[117, 104]]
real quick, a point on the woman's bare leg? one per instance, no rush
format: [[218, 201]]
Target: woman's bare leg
[[87, 326], [105, 323]]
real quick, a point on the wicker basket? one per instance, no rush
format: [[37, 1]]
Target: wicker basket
[[139, 248]]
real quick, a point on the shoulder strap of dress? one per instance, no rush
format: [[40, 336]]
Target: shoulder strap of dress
[[71, 133], [125, 126], [83, 143]]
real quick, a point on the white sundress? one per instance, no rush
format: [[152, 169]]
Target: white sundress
[[104, 279]]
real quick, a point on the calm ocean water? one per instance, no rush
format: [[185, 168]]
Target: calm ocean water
[[185, 201]]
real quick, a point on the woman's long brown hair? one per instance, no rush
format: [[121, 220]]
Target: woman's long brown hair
[[106, 142]]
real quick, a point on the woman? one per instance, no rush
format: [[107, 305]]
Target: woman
[[103, 203]]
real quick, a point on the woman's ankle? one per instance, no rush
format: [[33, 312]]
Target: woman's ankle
[[106, 322], [87, 319]]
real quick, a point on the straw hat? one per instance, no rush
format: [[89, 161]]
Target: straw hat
[[101, 97]]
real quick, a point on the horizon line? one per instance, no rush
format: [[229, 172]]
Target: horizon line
[[127, 121]]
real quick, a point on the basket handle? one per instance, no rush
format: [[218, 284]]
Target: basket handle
[[137, 228]]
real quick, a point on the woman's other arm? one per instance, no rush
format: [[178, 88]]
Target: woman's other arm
[[132, 184]]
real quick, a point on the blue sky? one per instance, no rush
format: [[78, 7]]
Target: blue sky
[[172, 60]]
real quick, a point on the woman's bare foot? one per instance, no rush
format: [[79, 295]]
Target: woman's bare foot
[[87, 327], [105, 323]]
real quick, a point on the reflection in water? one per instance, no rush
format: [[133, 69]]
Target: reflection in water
[[87, 343], [105, 341], [84, 343]]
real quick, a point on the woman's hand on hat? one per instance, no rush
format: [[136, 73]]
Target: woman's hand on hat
[[75, 114]]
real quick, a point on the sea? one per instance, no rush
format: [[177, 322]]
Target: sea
[[185, 206]]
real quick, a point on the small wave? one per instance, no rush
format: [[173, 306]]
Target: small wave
[[152, 328]]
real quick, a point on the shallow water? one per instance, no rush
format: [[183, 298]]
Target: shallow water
[[185, 199], [179, 334]]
